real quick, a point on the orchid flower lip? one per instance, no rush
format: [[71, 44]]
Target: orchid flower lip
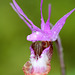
[[41, 53]]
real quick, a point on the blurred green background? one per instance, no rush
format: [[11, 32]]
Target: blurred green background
[[14, 48]]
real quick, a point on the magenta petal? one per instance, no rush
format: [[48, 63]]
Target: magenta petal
[[58, 26], [21, 16], [42, 20], [49, 13], [47, 25], [21, 12]]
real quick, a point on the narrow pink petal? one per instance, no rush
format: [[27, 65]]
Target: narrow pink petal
[[13, 7], [21, 17], [58, 26], [42, 20], [49, 13], [22, 13], [47, 26]]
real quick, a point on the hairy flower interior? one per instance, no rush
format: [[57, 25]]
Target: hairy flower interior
[[39, 47]]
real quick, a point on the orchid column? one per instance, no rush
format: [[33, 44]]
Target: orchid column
[[41, 48]]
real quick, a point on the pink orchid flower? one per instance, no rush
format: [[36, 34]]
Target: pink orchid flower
[[41, 53]]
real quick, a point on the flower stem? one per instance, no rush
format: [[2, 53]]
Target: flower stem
[[60, 52]]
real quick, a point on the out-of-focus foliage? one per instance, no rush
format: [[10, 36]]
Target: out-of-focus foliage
[[14, 48]]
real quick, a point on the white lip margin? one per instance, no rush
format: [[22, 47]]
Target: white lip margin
[[39, 65]]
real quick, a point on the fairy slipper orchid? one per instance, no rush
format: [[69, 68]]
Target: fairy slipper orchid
[[41, 52]]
